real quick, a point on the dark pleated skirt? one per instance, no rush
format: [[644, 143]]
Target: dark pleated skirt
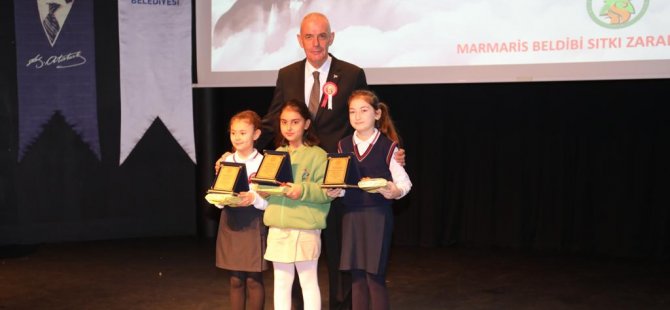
[[366, 238], [242, 239]]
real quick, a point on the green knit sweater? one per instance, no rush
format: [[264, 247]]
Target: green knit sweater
[[308, 164]]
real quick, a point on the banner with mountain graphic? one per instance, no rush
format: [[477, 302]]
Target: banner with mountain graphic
[[155, 71], [56, 68]]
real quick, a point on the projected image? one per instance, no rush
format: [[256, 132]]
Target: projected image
[[260, 35]]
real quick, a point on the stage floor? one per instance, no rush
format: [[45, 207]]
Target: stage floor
[[179, 273]]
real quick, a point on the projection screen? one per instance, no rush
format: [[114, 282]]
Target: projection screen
[[244, 43]]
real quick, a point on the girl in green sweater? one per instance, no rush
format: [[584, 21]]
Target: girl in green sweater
[[297, 217]]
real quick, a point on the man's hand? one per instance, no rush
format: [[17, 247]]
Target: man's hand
[[400, 156], [217, 165]]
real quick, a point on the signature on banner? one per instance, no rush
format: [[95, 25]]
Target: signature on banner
[[69, 60]]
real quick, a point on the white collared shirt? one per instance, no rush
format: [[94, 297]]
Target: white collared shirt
[[309, 78]]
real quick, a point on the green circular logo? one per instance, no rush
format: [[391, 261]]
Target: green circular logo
[[616, 14]]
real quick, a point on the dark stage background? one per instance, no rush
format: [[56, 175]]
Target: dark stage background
[[571, 167]]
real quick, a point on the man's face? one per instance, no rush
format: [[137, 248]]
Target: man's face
[[315, 38]]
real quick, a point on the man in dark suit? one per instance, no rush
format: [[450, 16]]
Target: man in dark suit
[[331, 122]]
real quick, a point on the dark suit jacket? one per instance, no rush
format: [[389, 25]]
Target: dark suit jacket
[[330, 125]]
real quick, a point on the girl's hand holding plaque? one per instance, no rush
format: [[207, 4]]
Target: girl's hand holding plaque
[[294, 191], [390, 191]]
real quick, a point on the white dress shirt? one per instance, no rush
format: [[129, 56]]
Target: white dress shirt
[[309, 78]]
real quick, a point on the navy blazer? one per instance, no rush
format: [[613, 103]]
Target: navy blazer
[[330, 125]]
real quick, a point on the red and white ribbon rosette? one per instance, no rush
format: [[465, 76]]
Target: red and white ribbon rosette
[[330, 89]]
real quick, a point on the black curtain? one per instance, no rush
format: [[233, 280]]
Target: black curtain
[[571, 167], [575, 167]]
